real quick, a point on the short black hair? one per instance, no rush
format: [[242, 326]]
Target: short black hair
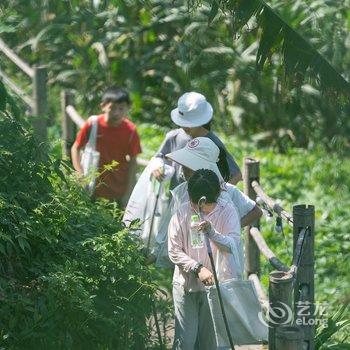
[[204, 182], [115, 94]]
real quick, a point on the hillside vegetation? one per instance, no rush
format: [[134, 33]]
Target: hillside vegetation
[[70, 275], [161, 49]]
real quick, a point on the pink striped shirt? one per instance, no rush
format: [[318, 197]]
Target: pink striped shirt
[[224, 237]]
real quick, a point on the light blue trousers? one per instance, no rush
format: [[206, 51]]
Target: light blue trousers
[[193, 323]]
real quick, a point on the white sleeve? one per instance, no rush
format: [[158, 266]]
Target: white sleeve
[[242, 202]]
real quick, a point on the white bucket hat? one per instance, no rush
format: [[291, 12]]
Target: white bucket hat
[[192, 110], [199, 153]]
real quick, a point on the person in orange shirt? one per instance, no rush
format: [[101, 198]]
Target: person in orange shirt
[[117, 140]]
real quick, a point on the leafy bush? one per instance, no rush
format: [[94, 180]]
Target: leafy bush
[[70, 275], [335, 323]]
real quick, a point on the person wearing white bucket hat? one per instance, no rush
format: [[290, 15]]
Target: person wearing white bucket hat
[[202, 153], [199, 153], [193, 115], [193, 110]]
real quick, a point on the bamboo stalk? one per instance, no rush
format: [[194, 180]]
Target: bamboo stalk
[[68, 126], [304, 289], [40, 107], [250, 174], [280, 297], [75, 116]]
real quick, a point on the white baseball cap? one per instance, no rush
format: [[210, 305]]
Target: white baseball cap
[[192, 110], [199, 153]]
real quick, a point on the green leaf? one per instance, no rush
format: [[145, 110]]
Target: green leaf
[[23, 243]]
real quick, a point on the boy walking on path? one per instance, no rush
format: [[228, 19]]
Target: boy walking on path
[[117, 140]]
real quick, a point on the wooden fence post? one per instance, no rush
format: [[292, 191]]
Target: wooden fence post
[[304, 292], [68, 126], [280, 306], [40, 103], [251, 173], [289, 338]]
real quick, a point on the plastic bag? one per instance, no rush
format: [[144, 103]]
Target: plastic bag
[[148, 202], [242, 308], [90, 157], [179, 195]]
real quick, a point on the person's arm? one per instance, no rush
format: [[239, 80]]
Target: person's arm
[[80, 142], [248, 210], [75, 153], [131, 180], [230, 232], [252, 216], [175, 246], [235, 171], [180, 258], [164, 148]]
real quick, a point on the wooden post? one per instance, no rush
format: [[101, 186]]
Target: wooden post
[[304, 292], [40, 103], [280, 311], [68, 126], [251, 173], [289, 338]]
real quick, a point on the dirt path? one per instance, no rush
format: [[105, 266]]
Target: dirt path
[[166, 323]]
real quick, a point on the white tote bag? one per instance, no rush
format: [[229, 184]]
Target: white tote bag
[[242, 309], [241, 302], [90, 157]]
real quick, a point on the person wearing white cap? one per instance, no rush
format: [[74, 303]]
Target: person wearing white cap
[[193, 115], [202, 153], [193, 271]]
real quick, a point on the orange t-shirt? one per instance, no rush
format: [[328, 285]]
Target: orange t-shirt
[[114, 143]]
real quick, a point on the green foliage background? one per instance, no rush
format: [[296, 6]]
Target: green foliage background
[[71, 277], [160, 49]]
